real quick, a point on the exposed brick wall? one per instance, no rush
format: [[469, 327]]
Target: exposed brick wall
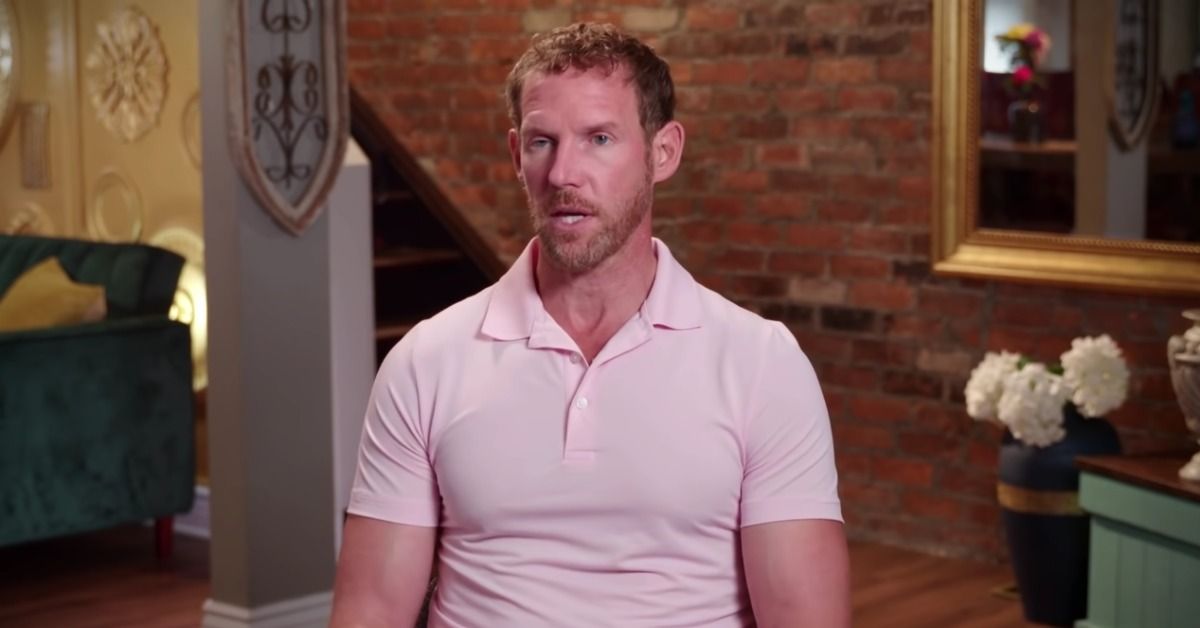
[[805, 194]]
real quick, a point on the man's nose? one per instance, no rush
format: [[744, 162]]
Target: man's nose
[[564, 170]]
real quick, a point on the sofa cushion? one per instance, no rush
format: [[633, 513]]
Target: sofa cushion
[[45, 296], [138, 279]]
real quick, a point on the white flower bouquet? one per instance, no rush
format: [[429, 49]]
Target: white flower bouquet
[[1028, 397]]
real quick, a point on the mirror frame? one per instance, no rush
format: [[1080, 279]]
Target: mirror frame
[[960, 248]]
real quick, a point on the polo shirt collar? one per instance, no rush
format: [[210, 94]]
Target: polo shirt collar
[[515, 308]]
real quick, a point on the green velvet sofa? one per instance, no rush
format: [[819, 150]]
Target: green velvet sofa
[[96, 419]]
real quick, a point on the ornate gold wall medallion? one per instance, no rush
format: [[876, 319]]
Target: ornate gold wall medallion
[[115, 209], [127, 74], [35, 145], [8, 66], [288, 103]]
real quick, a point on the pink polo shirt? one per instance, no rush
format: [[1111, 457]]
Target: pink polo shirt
[[602, 494]]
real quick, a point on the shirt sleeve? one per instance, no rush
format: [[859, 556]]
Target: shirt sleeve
[[394, 480], [789, 468]]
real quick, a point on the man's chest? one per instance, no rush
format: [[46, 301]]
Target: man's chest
[[645, 446]]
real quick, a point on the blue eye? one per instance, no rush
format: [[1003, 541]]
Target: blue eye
[[539, 142], [601, 139]]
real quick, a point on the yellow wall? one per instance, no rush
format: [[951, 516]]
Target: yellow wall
[[118, 155], [120, 158]]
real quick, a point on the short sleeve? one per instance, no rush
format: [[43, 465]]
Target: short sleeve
[[789, 470], [394, 480]]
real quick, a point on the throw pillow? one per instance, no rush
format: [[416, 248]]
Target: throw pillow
[[45, 296]]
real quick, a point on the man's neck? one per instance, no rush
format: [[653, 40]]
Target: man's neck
[[592, 306]]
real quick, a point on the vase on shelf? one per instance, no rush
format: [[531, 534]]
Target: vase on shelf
[[1183, 357], [1046, 530], [1025, 121]]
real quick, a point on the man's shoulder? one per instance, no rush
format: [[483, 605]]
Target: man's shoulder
[[734, 321]]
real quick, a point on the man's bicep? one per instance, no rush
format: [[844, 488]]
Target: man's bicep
[[383, 573], [797, 573], [789, 463]]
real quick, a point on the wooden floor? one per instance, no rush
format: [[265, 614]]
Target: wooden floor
[[111, 580]]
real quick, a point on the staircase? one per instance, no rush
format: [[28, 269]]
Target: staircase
[[425, 255]]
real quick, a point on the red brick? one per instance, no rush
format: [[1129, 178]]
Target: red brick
[[902, 471], [753, 233], [807, 264], [857, 377], [952, 303], [914, 188], [880, 409], [739, 260], [983, 455], [852, 464], [883, 352], [877, 241], [843, 70], [712, 19], [931, 506], [499, 23], [855, 491], [930, 446], [867, 98], [863, 186], [452, 24], [365, 28], [359, 52], [882, 294], [1020, 314], [783, 155], [816, 236], [757, 286], [803, 99], [704, 232], [779, 70], [901, 70], [837, 210], [744, 180], [893, 128], [721, 72], [915, 325], [399, 26], [858, 267], [725, 155], [832, 14], [862, 437], [857, 157], [822, 127], [671, 207], [745, 101], [822, 346], [725, 205], [354, 7], [792, 206], [492, 48], [975, 483]]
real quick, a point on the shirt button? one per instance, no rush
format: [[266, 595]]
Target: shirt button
[[574, 358], [581, 403]]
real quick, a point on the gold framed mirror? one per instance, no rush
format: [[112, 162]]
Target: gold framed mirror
[[1092, 243]]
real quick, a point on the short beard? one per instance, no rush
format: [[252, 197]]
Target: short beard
[[605, 243]]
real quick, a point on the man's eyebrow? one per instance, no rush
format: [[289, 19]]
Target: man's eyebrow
[[602, 127]]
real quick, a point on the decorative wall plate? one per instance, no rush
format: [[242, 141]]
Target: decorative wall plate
[[288, 103]]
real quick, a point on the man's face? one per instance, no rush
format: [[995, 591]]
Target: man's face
[[584, 161]]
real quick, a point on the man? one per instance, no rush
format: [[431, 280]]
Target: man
[[595, 440]]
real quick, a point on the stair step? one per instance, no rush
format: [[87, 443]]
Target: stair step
[[393, 330], [384, 197], [413, 256]]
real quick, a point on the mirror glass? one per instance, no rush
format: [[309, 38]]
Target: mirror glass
[[1089, 118]]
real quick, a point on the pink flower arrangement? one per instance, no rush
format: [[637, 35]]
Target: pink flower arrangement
[[1028, 45]]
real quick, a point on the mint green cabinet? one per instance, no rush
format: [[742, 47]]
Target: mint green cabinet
[[1144, 557]]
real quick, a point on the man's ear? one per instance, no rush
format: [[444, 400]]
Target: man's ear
[[514, 150], [666, 150]]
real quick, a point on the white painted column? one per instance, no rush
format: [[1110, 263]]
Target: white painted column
[[291, 357]]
